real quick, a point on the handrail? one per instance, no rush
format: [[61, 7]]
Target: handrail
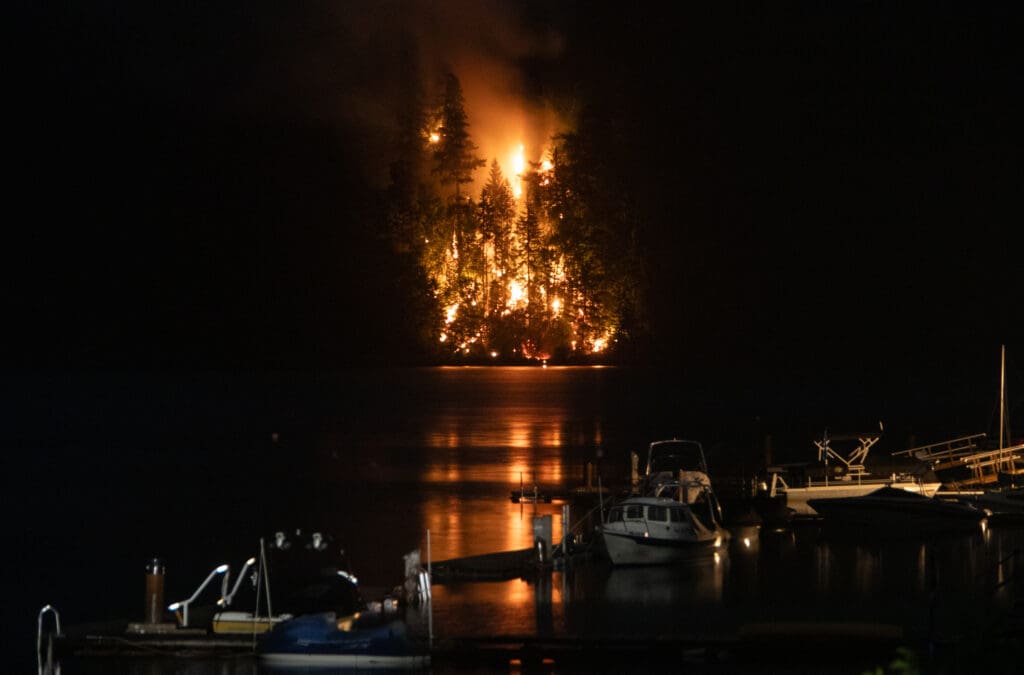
[[184, 604], [225, 600], [48, 609]]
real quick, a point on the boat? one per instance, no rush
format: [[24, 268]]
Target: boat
[[331, 624], [672, 515], [669, 464], [660, 530], [895, 510], [1005, 504], [356, 640], [786, 491], [970, 462], [309, 575]]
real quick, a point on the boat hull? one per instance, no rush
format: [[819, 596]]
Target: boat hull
[[886, 511], [323, 640], [626, 549], [799, 498], [358, 661]]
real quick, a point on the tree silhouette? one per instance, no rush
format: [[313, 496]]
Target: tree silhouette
[[497, 216], [454, 152]]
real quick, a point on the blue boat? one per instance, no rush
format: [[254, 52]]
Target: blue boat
[[354, 641]]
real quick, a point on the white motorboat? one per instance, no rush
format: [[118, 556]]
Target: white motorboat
[[793, 486], [659, 530], [673, 514]]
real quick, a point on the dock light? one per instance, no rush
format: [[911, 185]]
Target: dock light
[[746, 541], [184, 604]]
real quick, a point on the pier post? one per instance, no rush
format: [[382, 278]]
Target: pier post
[[154, 591], [542, 537], [566, 531]]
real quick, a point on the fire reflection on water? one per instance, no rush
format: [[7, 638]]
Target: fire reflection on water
[[515, 443]]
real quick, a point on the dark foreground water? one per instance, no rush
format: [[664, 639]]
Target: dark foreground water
[[101, 473]]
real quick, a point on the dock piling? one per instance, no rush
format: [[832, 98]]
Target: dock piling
[[154, 591]]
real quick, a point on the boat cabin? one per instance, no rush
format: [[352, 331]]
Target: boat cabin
[[667, 512]]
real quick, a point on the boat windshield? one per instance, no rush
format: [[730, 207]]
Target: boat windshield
[[675, 456]]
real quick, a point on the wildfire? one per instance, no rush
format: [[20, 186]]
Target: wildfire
[[516, 294], [503, 278], [518, 167]]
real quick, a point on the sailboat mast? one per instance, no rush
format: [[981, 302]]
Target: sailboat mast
[[1002, 397]]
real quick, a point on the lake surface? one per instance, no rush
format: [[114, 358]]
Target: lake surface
[[103, 473]]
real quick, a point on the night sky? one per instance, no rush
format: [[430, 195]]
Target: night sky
[[829, 191]]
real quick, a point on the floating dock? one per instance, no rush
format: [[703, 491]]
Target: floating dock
[[765, 643], [489, 566]]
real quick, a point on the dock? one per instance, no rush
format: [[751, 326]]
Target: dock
[[121, 638], [755, 643], [499, 566]]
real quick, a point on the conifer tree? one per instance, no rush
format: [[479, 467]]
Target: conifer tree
[[454, 158], [497, 215]]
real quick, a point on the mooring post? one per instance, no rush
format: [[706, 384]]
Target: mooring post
[[542, 537], [154, 591], [566, 531]]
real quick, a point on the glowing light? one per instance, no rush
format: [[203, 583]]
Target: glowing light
[[518, 167], [518, 162], [546, 166], [556, 306], [494, 355], [515, 294], [600, 344], [435, 137], [444, 338], [450, 313]]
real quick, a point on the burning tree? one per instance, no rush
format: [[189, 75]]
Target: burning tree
[[535, 268]]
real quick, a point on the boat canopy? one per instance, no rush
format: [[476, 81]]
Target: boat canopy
[[674, 456]]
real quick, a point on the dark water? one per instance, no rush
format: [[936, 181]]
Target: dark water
[[101, 473]]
